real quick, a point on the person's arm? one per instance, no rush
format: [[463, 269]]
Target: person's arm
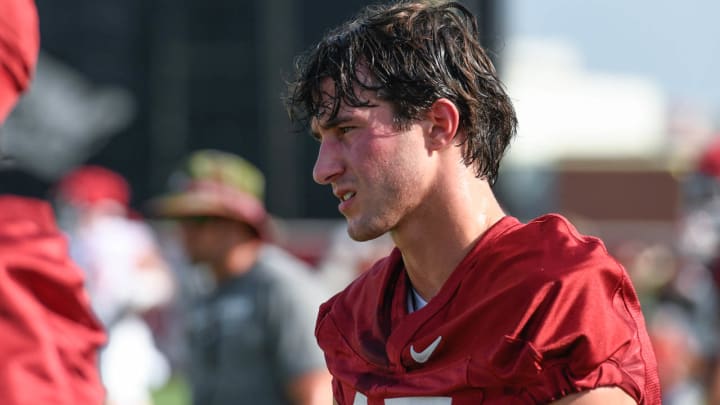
[[598, 396], [312, 388], [293, 303]]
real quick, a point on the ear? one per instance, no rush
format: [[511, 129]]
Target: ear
[[444, 119]]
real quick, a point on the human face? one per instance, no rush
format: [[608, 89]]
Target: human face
[[204, 237], [375, 169]]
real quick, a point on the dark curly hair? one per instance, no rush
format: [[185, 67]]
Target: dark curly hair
[[416, 52]]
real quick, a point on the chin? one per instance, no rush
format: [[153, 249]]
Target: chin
[[363, 232]]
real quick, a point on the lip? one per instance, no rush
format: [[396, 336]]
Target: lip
[[341, 191], [344, 205]]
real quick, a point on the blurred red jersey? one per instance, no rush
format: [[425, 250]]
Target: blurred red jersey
[[19, 46], [533, 313], [49, 338]]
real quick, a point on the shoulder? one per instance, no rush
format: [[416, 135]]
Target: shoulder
[[553, 232], [279, 265], [281, 272], [546, 266], [550, 248]]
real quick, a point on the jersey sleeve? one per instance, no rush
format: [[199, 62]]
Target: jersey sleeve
[[580, 332]]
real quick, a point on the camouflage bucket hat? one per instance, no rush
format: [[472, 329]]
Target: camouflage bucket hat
[[219, 184]]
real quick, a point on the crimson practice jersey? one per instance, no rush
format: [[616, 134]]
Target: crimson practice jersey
[[49, 337], [19, 45], [533, 313]]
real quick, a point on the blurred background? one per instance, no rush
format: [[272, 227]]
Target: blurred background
[[617, 102], [137, 85]]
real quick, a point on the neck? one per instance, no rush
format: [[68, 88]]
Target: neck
[[434, 241]]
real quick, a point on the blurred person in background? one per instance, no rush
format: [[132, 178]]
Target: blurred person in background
[[697, 283], [49, 336], [251, 337], [473, 306], [679, 355], [126, 277]]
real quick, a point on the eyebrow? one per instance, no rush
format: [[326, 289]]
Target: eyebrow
[[337, 120], [329, 124]]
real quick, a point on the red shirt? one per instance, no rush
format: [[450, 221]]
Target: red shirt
[[49, 338], [533, 313], [19, 46]]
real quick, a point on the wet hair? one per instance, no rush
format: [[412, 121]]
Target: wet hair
[[415, 52]]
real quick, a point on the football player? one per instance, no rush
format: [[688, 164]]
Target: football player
[[473, 306]]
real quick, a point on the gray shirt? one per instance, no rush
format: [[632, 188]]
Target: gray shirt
[[253, 334]]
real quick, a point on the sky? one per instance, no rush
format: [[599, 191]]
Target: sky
[[674, 43]]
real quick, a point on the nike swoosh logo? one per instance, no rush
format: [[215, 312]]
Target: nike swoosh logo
[[424, 355]]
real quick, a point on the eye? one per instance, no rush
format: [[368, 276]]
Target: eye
[[345, 130]]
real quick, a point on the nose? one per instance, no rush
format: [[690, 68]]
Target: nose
[[328, 164]]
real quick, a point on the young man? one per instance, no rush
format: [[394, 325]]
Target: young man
[[472, 306], [49, 336], [250, 339]]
